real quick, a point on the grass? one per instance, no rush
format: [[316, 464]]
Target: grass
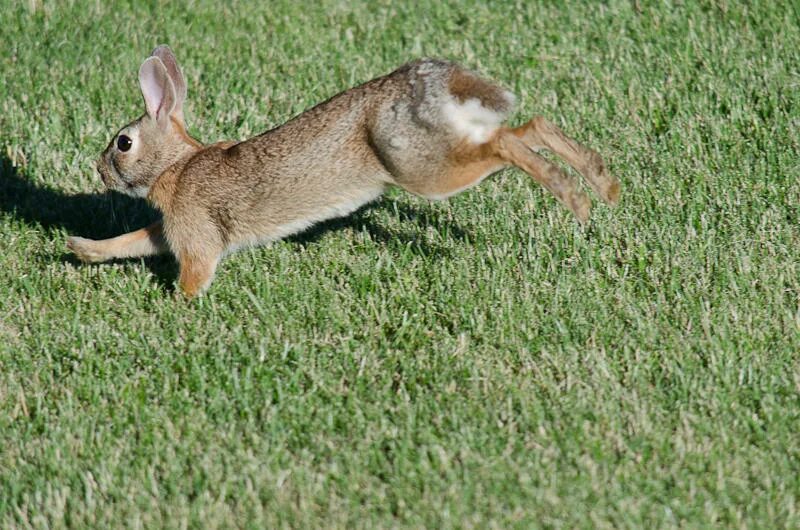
[[480, 362]]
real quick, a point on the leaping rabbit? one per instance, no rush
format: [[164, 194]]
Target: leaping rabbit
[[431, 127]]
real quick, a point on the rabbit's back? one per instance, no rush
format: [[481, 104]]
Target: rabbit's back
[[399, 129], [408, 118]]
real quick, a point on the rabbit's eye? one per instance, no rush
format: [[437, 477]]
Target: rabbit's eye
[[124, 143]]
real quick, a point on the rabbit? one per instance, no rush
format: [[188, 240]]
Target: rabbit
[[430, 127]]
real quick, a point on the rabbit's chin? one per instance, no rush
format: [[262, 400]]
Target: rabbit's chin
[[119, 185], [114, 182], [130, 189]]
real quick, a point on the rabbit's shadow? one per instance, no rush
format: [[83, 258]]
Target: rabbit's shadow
[[103, 215]]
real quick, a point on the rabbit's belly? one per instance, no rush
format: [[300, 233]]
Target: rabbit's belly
[[342, 207], [303, 218]]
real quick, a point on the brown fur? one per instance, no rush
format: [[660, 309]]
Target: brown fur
[[428, 127], [180, 130], [587, 162], [465, 85], [196, 273]]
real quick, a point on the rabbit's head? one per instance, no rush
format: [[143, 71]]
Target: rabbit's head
[[146, 147]]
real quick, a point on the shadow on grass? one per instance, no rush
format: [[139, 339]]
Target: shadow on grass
[[394, 237], [92, 215], [99, 216]]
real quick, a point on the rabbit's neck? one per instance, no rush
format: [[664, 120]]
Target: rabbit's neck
[[163, 189]]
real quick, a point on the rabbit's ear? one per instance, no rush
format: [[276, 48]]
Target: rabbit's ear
[[157, 89], [164, 53]]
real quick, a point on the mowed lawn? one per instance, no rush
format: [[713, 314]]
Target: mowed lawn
[[482, 362]]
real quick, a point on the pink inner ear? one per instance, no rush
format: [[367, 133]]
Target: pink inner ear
[[152, 80], [164, 53]]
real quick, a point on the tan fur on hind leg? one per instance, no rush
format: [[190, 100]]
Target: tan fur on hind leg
[[540, 133], [467, 165], [512, 149]]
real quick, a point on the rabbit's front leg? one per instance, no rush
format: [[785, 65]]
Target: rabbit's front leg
[[196, 273], [146, 241]]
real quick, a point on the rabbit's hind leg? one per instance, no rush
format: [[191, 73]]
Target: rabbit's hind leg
[[468, 164], [513, 150], [539, 133]]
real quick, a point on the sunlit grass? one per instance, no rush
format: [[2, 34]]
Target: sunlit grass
[[481, 362]]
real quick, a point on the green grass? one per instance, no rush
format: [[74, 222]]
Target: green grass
[[480, 362]]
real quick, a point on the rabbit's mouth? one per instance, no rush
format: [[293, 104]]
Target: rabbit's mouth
[[110, 176], [103, 174], [113, 180], [109, 173]]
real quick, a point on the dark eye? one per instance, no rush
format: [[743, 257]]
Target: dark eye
[[124, 143]]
